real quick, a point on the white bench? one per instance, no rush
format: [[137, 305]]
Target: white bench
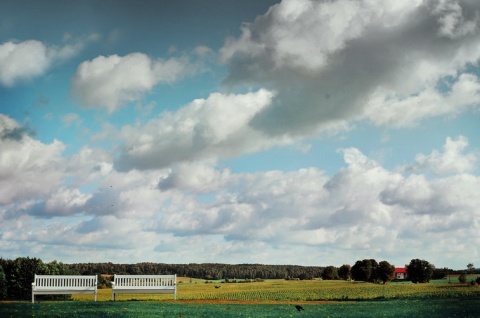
[[64, 284], [144, 284]]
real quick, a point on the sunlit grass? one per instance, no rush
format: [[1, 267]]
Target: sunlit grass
[[290, 291]]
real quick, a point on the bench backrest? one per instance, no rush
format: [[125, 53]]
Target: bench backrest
[[145, 281], [60, 282]]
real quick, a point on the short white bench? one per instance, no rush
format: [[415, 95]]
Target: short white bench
[[144, 284], [64, 284]]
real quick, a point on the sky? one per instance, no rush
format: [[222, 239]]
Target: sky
[[276, 132]]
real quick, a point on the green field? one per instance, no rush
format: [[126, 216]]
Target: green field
[[273, 298], [392, 308], [306, 290]]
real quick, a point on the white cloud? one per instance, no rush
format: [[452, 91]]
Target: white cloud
[[452, 160], [196, 177], [29, 59], [65, 201], [364, 209], [28, 167], [71, 119], [205, 128], [354, 60], [388, 108], [110, 81], [202, 50]]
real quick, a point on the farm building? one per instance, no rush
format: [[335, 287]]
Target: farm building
[[401, 273]]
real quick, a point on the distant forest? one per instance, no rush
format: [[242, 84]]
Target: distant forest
[[208, 271]]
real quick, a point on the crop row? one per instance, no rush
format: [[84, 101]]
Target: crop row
[[280, 290]]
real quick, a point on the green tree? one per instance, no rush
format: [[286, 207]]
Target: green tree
[[385, 272], [330, 273], [20, 274], [462, 278], [3, 284], [365, 270], [344, 271], [420, 271], [470, 267]]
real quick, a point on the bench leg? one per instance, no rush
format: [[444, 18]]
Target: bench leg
[[33, 298]]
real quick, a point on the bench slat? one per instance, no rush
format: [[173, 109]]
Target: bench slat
[[143, 284], [64, 284]]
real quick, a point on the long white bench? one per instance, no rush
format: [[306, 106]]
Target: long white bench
[[64, 284], [144, 284]]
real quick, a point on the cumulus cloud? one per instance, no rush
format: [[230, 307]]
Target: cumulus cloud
[[388, 108], [28, 167], [216, 126], [364, 208], [29, 59], [354, 60], [110, 81], [452, 160], [62, 202], [193, 176]]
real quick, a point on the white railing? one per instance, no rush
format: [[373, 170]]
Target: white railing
[[64, 284]]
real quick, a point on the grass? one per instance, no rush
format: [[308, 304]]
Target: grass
[[394, 308], [272, 298]]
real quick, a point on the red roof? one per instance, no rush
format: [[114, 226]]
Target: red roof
[[401, 270]]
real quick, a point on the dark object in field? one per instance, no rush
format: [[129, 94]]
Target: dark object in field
[[217, 286], [299, 308]]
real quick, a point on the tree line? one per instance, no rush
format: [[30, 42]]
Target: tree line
[[368, 270], [207, 271], [16, 276]]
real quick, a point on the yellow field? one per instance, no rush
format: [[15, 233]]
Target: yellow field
[[286, 291]]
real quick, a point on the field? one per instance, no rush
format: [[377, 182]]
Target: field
[[394, 308], [273, 298], [295, 291]]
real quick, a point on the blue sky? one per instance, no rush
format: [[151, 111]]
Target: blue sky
[[279, 132]]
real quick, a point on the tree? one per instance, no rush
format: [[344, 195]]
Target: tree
[[3, 284], [471, 267], [330, 273], [462, 278], [420, 271], [364, 270], [344, 272], [20, 274], [385, 272]]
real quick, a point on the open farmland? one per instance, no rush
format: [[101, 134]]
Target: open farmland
[[429, 308], [305, 291], [272, 298]]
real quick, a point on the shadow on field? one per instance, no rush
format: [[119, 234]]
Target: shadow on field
[[141, 309]]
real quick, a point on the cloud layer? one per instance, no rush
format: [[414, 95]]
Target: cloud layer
[[182, 183], [190, 207], [353, 60]]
